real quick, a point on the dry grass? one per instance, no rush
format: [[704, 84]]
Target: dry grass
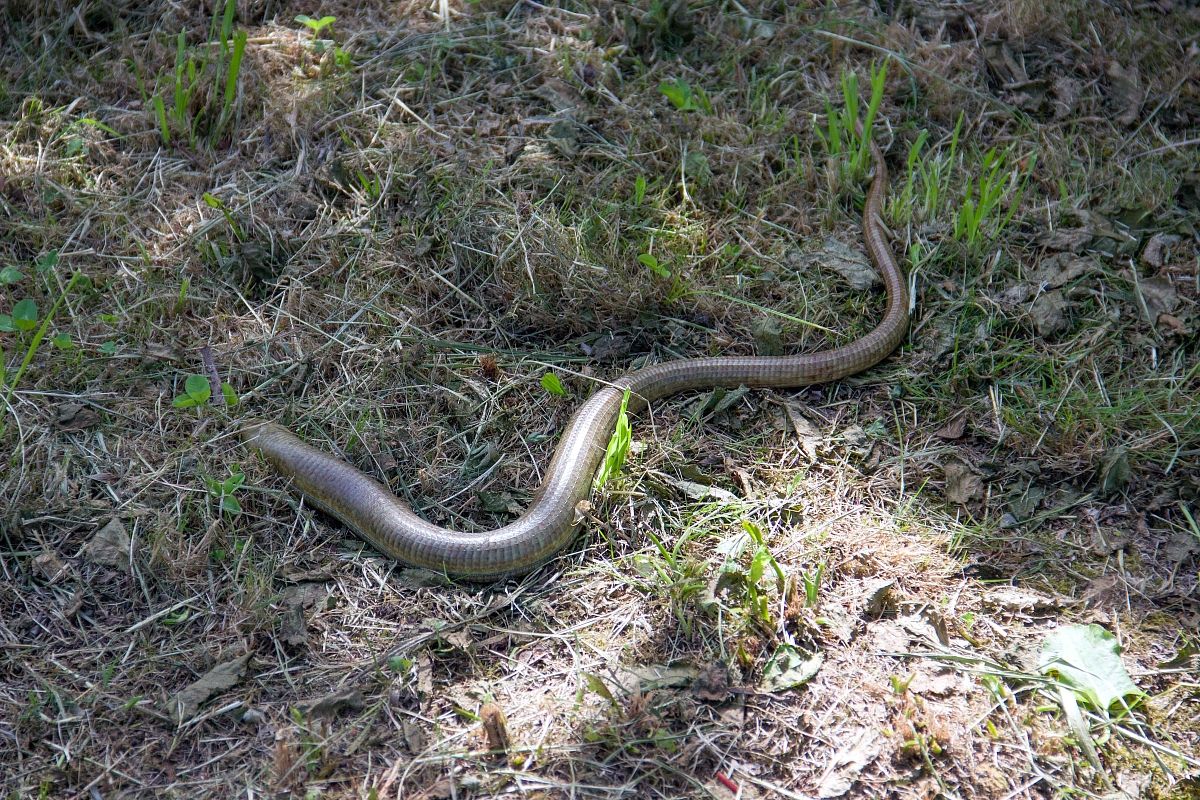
[[405, 238]]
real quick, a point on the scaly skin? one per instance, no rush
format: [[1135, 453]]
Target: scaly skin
[[549, 523]]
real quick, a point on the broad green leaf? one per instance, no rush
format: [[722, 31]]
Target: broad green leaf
[[553, 385], [24, 315], [46, 261], [235, 480], [1087, 658], [230, 395], [618, 446], [650, 262], [10, 275], [62, 341], [679, 92], [597, 685], [639, 190], [6, 324], [197, 388], [108, 348], [230, 505], [790, 667], [315, 25], [684, 97]]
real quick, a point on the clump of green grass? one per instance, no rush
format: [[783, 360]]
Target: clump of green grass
[[844, 144], [981, 200], [197, 100], [991, 199], [927, 180]]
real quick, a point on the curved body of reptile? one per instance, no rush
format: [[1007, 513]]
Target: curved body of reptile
[[549, 523]]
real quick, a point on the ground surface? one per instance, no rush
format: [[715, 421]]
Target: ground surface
[[387, 240]]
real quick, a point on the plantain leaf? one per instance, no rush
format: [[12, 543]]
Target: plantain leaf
[[1087, 658]]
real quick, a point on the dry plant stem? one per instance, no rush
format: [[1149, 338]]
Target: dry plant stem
[[549, 523]]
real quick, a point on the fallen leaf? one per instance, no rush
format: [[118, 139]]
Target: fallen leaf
[[110, 546], [75, 417], [962, 485], [1159, 296], [331, 704], [1060, 269], [184, 705], [1127, 93], [789, 668], [1154, 253], [49, 566], [1048, 313], [1114, 471], [954, 427], [848, 763], [848, 262], [712, 684]]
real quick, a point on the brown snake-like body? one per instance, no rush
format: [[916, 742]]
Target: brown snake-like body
[[549, 523]]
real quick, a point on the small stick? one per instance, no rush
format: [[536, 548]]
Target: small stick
[[210, 366]]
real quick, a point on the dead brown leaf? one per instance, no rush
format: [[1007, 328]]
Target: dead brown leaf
[[1155, 252], [110, 546], [184, 705], [49, 566], [1060, 269], [1160, 297], [848, 763], [331, 704], [1048, 313], [1127, 93], [954, 427], [963, 486], [808, 433], [75, 417]]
